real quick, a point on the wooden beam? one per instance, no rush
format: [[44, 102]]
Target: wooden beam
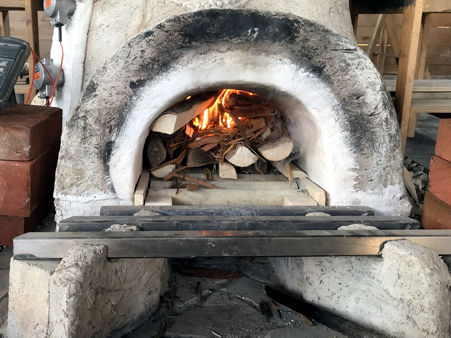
[[382, 51], [31, 21], [423, 46], [377, 30], [4, 24], [406, 70], [424, 86], [392, 36], [18, 5], [421, 68], [437, 6], [430, 6], [355, 23], [189, 244]]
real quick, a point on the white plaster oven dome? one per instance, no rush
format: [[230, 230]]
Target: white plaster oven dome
[[339, 113]]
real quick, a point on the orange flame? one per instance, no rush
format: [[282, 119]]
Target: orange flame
[[217, 112]]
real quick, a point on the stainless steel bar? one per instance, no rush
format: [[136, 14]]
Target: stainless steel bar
[[235, 223], [185, 244], [183, 210]]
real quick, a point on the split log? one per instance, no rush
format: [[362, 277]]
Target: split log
[[315, 191], [199, 158], [141, 188], [289, 170], [241, 156], [156, 151], [278, 150], [226, 170], [163, 171], [175, 118]]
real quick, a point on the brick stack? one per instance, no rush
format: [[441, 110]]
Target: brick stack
[[437, 201], [29, 145]]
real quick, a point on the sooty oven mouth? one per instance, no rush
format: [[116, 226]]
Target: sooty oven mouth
[[225, 147]]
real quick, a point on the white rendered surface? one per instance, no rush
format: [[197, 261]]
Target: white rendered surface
[[75, 34], [325, 155]]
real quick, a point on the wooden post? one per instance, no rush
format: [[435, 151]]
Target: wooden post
[[392, 37], [31, 21], [4, 24], [376, 32], [422, 67], [424, 45], [355, 23], [382, 51], [407, 61]]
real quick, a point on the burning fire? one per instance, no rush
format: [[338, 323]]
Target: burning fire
[[217, 113]]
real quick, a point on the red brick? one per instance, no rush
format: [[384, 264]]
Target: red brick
[[27, 131], [443, 145], [436, 213], [23, 185], [440, 179], [12, 226]]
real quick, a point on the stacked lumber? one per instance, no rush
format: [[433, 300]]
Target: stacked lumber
[[29, 145], [437, 201], [225, 133]]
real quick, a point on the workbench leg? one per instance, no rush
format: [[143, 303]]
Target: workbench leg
[[377, 30], [382, 51], [411, 25], [4, 24]]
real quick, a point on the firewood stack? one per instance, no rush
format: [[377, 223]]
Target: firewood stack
[[229, 130], [216, 137]]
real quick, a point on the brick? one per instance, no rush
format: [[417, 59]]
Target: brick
[[23, 185], [436, 213], [440, 178], [443, 145], [27, 131], [12, 226]]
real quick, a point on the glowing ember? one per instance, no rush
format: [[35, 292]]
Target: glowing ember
[[218, 113]]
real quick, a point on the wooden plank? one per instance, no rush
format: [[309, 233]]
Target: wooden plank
[[377, 30], [314, 190], [182, 210], [5, 29], [226, 223], [424, 46], [18, 5], [421, 68], [430, 6], [407, 61], [55, 245], [31, 21], [141, 188], [436, 213], [423, 86], [355, 22], [392, 36], [437, 6], [157, 200], [431, 106], [232, 184], [232, 197], [383, 42]]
